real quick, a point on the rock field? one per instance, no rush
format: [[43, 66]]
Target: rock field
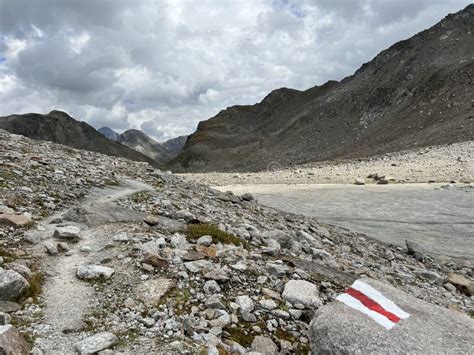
[[105, 255], [454, 162]]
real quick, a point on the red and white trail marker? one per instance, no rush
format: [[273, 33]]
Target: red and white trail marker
[[371, 302]]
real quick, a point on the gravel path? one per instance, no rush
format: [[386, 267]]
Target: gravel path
[[67, 299]]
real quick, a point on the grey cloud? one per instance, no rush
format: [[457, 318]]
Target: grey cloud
[[164, 65]]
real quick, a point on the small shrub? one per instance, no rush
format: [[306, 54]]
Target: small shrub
[[36, 286], [194, 231]]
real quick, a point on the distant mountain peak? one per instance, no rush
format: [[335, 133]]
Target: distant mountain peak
[[59, 114], [109, 133]]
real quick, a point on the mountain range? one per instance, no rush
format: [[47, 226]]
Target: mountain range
[[59, 127], [418, 92], [161, 152]]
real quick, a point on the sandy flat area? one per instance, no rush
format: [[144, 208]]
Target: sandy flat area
[[441, 219]]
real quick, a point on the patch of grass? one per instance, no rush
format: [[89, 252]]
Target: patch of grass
[[177, 298], [7, 256], [195, 231], [14, 201], [140, 197], [126, 337], [239, 335], [299, 348], [36, 286]]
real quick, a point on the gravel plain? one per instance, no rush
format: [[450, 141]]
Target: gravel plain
[[448, 163]]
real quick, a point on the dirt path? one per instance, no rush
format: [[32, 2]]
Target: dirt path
[[67, 299]]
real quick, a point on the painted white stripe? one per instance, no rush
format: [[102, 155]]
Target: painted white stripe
[[356, 304], [375, 295]]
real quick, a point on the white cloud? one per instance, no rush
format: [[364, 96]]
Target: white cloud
[[163, 66]]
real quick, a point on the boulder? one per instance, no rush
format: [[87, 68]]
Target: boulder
[[462, 283], [11, 342], [245, 303], [151, 291], [15, 220], [68, 233], [359, 181], [9, 307], [301, 291], [429, 329], [415, 250], [91, 272], [264, 345], [12, 285], [95, 343], [198, 266], [248, 197]]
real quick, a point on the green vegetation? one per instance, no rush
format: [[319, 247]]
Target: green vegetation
[[240, 336], [194, 231], [36, 286], [7, 256], [177, 298]]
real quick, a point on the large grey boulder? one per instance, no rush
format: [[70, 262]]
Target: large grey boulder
[[338, 328], [12, 285], [11, 342], [96, 343]]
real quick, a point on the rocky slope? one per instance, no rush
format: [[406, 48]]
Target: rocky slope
[[452, 163], [418, 92], [100, 252], [59, 127]]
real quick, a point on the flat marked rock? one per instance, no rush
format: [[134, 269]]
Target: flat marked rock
[[90, 272], [429, 329], [96, 343]]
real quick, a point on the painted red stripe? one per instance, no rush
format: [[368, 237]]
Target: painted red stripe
[[372, 305]]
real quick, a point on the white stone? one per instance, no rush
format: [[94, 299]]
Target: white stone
[[198, 265], [245, 303], [95, 343], [300, 291], [268, 304], [89, 272]]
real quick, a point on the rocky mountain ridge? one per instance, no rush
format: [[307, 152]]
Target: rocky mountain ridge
[[99, 252], [59, 127], [416, 93]]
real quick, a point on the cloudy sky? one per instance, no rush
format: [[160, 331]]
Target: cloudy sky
[[162, 66]]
